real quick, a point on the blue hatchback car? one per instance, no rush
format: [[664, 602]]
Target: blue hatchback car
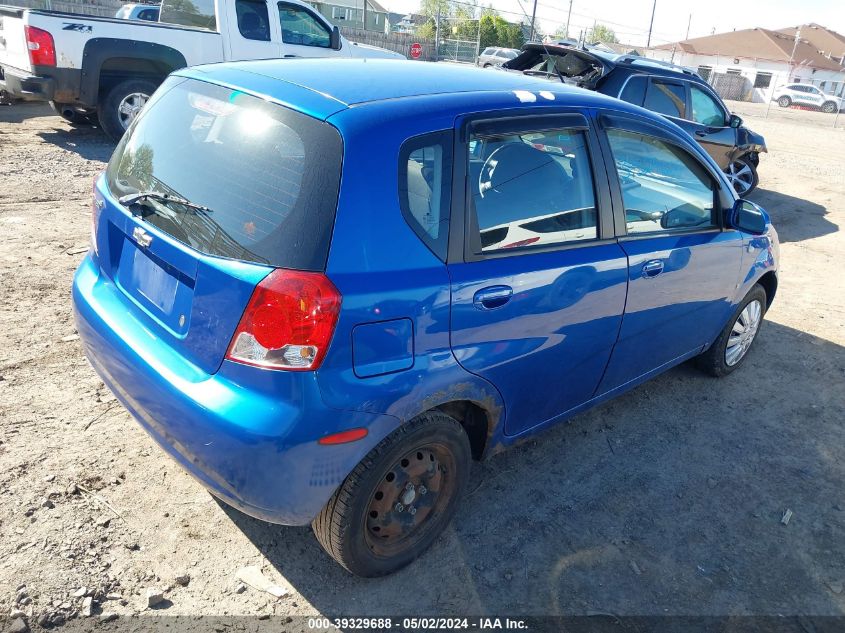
[[324, 287]]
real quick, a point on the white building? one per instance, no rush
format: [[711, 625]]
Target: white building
[[764, 59]]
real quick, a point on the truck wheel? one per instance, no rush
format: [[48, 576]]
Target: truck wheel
[[120, 105], [784, 102], [396, 502], [829, 107], [731, 347]]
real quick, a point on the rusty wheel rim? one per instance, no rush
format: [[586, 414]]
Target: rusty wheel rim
[[409, 498]]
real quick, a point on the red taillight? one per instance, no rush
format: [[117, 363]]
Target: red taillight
[[288, 322], [42, 51], [344, 437]]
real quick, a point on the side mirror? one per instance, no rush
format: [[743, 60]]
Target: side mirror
[[734, 121], [749, 217], [334, 39]]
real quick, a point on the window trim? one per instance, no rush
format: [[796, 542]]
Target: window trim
[[723, 199], [444, 138], [528, 122], [317, 17]]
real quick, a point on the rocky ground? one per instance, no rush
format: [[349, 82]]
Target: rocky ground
[[669, 500]]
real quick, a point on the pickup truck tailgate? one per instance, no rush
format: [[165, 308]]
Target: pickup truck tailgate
[[13, 50]]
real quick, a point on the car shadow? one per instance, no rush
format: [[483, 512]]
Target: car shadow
[[794, 218], [87, 141], [24, 110], [668, 499]]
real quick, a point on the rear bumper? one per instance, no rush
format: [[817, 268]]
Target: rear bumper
[[21, 85], [248, 435]]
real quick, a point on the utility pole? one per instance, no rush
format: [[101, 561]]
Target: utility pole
[[651, 24], [568, 15], [533, 18], [365, 15], [437, 35], [689, 23]]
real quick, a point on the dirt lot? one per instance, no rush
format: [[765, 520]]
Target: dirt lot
[[666, 501]]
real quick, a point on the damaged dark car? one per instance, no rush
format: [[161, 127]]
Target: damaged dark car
[[677, 93]]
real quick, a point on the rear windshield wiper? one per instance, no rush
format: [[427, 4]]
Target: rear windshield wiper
[[142, 196]]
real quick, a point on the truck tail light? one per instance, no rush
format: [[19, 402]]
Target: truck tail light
[[42, 51], [288, 322]]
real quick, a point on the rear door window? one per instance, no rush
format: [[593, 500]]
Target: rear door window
[[667, 98], [533, 189], [253, 22], [269, 175]]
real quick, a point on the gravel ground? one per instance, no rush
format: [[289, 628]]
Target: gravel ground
[[667, 500]]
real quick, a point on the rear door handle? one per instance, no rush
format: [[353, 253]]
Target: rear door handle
[[652, 268], [492, 297]]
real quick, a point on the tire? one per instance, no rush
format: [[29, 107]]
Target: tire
[[742, 174], [829, 107], [784, 102], [486, 65], [368, 526], [132, 91], [715, 361]]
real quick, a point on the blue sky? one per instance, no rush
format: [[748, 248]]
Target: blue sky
[[630, 18]]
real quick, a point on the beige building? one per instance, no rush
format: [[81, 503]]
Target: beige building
[[762, 60]]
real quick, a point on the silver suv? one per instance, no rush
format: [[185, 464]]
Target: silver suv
[[495, 56], [807, 95]]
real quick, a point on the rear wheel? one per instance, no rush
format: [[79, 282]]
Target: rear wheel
[[742, 174], [122, 104], [731, 347], [829, 107], [401, 496], [784, 102]]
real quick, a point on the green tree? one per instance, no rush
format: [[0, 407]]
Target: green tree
[[427, 30], [602, 33], [488, 35], [431, 8]]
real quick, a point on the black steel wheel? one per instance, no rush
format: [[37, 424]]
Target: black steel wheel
[[399, 499]]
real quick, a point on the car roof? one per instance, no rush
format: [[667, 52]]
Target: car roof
[[324, 87]]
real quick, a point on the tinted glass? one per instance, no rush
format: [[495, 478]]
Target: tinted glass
[[150, 15], [663, 188], [269, 175], [532, 189], [424, 188], [666, 98], [253, 22], [489, 51], [634, 90], [299, 26], [705, 110], [197, 13]]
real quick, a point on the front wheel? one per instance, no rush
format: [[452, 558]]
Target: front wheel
[[122, 104], [829, 107], [731, 347], [742, 174], [784, 102], [401, 496]]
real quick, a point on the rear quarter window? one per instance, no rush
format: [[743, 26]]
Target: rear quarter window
[[269, 175], [425, 168]]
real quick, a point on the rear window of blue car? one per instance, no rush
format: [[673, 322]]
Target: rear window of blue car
[[269, 175]]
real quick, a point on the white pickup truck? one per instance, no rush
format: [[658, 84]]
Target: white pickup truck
[[110, 67]]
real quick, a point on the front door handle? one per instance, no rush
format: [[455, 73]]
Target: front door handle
[[652, 268], [492, 297]]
